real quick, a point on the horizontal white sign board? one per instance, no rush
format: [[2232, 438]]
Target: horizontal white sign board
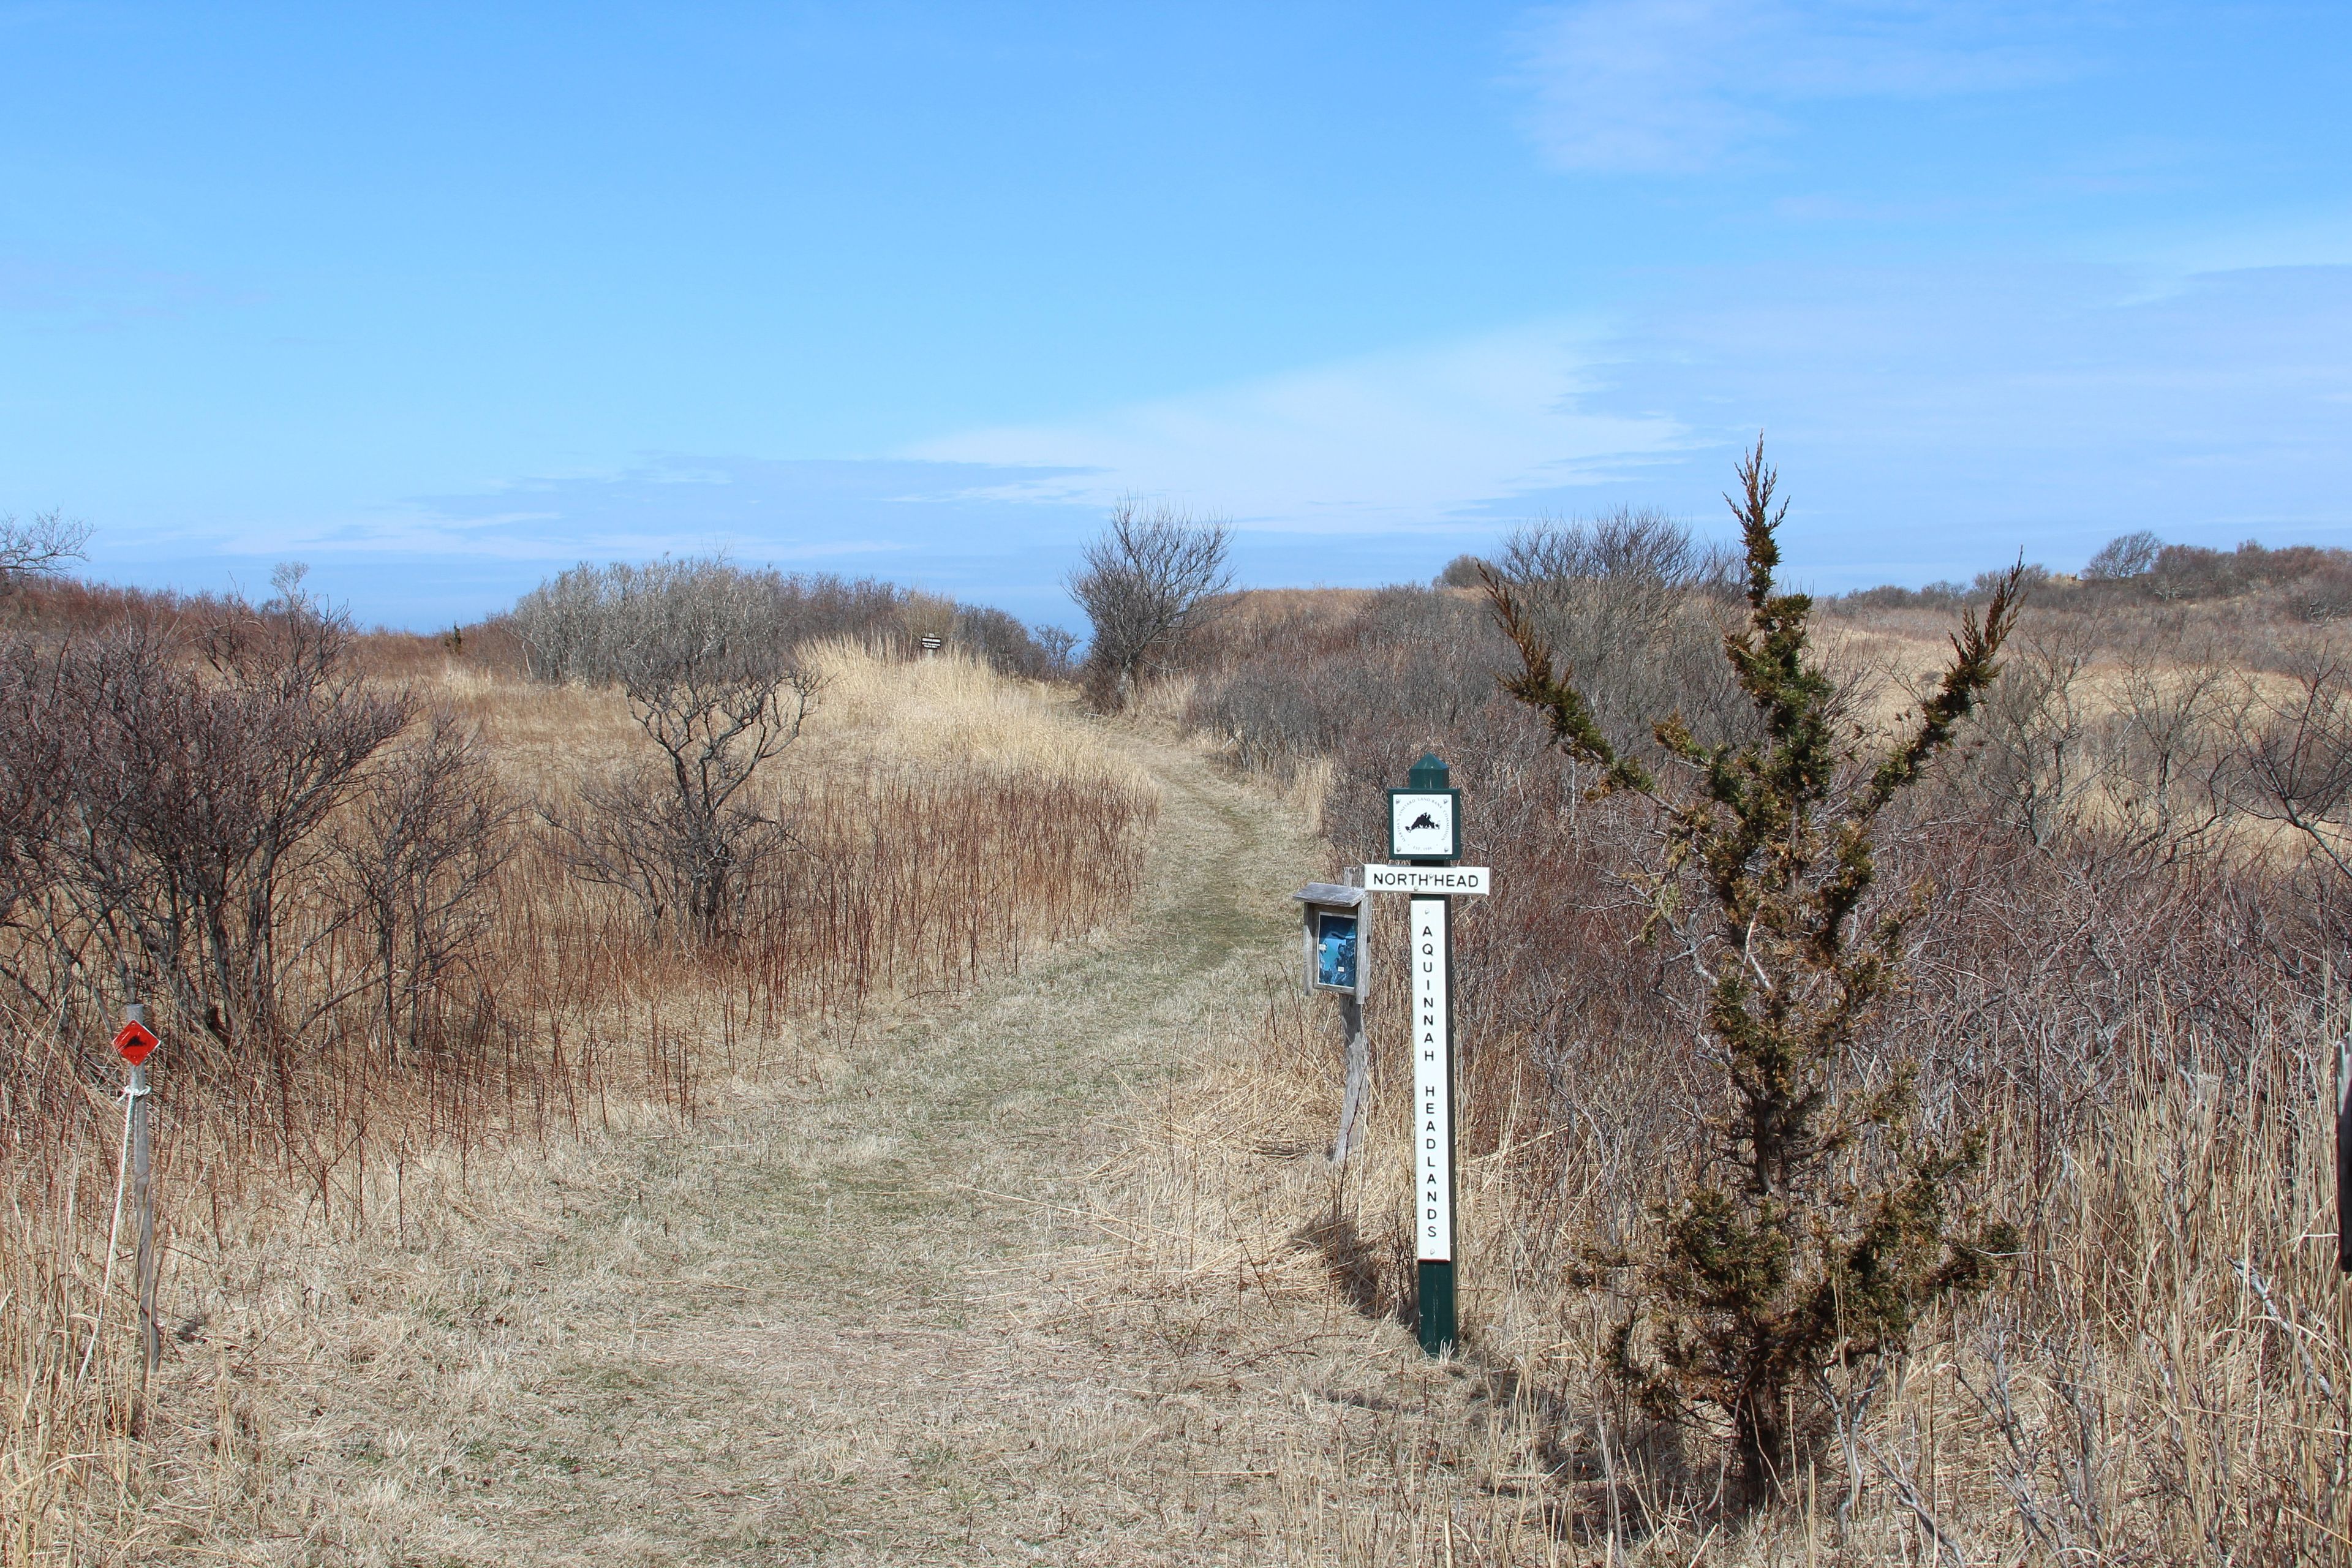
[[1426, 879]]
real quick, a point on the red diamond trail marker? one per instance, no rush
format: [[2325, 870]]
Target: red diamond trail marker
[[134, 1042]]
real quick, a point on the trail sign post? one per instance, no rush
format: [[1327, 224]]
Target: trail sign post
[[135, 1041], [1432, 1118], [1425, 832], [2344, 1155]]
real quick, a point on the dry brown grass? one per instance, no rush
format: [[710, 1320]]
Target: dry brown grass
[[953, 824], [2144, 1022], [2164, 1383], [1086, 1290]]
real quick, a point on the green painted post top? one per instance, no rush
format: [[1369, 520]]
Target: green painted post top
[[1430, 773]]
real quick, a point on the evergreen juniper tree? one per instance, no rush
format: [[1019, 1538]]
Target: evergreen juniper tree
[[1822, 1216]]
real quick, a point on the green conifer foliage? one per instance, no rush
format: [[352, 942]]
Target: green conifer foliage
[[1824, 1217]]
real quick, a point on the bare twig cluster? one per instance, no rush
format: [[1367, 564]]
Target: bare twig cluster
[[1149, 584], [166, 792], [711, 680]]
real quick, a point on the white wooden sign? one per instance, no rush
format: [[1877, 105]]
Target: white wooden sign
[[1433, 1077], [1457, 880]]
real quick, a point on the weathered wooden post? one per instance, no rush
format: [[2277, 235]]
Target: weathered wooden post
[[135, 1041]]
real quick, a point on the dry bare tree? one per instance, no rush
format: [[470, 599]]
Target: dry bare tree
[[39, 545], [2125, 555], [2293, 760], [1151, 580], [693, 645]]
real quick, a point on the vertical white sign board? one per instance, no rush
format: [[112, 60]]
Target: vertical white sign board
[[1432, 1076]]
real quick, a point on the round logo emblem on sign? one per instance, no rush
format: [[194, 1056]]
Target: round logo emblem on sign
[[1421, 827]]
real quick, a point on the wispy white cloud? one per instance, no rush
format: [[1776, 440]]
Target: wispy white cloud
[[1932, 421], [1682, 86], [1387, 442]]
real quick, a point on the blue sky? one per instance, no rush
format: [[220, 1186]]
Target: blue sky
[[441, 300]]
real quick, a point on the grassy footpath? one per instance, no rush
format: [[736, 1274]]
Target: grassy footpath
[[880, 1325]]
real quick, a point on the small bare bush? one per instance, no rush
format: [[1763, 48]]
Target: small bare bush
[[187, 788], [1636, 607], [693, 645], [420, 854], [39, 546], [582, 624], [1461, 571], [1148, 584]]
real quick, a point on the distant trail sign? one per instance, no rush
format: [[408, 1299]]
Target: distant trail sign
[[134, 1042]]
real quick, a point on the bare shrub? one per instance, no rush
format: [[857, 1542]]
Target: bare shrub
[[2128, 748], [1461, 571], [583, 624], [2293, 765], [1281, 687], [1635, 607], [39, 546], [2125, 555], [420, 854], [194, 798], [1004, 644], [693, 645], [1150, 583], [1056, 643], [2034, 754]]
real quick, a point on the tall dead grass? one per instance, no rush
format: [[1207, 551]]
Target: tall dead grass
[[2144, 1020], [946, 821]]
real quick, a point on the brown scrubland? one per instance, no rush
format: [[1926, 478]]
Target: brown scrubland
[[2122, 967], [941, 823]]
